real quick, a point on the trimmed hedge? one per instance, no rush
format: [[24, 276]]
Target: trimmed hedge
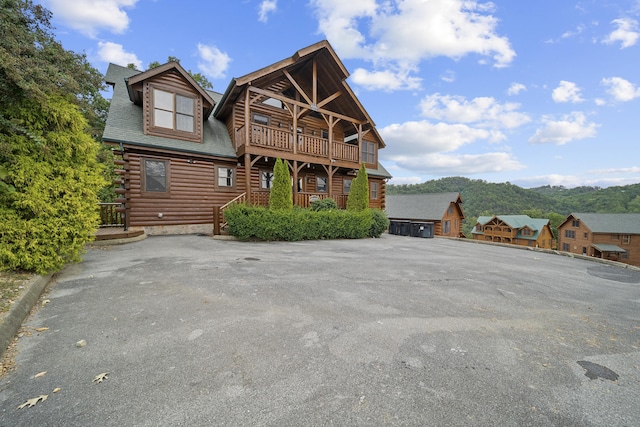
[[253, 222]]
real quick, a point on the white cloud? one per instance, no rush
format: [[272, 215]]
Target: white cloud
[[448, 76], [626, 33], [90, 16], [516, 88], [590, 178], [400, 180], [420, 138], [266, 7], [621, 89], [115, 53], [462, 164], [571, 127], [213, 62], [386, 80], [399, 35], [567, 92], [484, 111]]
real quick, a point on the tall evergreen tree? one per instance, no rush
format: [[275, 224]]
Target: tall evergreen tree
[[281, 195], [358, 198]]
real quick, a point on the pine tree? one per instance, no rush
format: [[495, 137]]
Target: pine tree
[[358, 199], [281, 196]]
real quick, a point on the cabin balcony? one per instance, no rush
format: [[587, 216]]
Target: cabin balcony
[[279, 139]]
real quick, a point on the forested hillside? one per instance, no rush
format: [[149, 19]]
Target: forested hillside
[[484, 198]]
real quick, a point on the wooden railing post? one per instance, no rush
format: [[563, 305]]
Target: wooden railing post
[[216, 220]]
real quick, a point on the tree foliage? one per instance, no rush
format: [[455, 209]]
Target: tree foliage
[[51, 110], [358, 198], [281, 195]]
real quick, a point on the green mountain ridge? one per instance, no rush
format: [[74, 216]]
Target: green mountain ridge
[[554, 202]]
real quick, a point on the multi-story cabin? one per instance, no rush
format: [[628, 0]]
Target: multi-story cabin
[[184, 151], [444, 210], [520, 230], [614, 237]]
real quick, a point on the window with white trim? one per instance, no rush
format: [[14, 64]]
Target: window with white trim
[[173, 111], [321, 184], [373, 188], [226, 177], [266, 180]]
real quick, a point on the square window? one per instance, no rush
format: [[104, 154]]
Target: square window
[[226, 177], [173, 111]]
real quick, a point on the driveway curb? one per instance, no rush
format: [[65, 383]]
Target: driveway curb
[[20, 310]]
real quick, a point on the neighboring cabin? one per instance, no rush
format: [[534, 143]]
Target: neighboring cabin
[[614, 237], [185, 151], [443, 209], [520, 230]]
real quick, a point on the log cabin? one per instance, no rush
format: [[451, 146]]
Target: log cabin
[[521, 230], [184, 153], [444, 210], [615, 237]]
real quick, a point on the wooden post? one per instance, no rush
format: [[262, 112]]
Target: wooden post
[[216, 220], [247, 175]]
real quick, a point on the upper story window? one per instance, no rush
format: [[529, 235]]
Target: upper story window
[[575, 223], [526, 232], [173, 111], [570, 234], [450, 210], [260, 119], [368, 152], [478, 228]]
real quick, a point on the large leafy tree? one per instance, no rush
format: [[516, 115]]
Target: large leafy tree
[[51, 111]]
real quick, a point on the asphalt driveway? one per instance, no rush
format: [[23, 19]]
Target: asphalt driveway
[[392, 331]]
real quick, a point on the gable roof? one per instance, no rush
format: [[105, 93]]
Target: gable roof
[[429, 206], [318, 59], [124, 122], [618, 223], [517, 222]]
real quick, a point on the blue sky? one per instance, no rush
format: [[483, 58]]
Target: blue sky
[[530, 92]]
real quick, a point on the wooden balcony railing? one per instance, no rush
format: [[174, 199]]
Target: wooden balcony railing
[[110, 216], [282, 140]]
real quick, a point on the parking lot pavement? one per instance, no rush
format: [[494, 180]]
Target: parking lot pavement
[[392, 331]]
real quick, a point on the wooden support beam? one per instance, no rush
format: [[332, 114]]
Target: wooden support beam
[[297, 86]]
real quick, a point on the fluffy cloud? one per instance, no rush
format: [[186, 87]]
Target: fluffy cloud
[[621, 89], [516, 88], [213, 62], [627, 33], [567, 92], [266, 7], [571, 127], [425, 138], [402, 34], [90, 16], [115, 53], [386, 80], [462, 164], [483, 111]]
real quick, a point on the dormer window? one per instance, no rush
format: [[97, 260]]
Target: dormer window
[[173, 111]]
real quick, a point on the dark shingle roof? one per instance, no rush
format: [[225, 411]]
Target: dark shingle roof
[[610, 223], [431, 206], [124, 123]]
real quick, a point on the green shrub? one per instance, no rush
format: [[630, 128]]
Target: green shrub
[[253, 222], [358, 198], [324, 205], [281, 196], [380, 223]]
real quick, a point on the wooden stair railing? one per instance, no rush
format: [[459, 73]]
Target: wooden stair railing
[[219, 222]]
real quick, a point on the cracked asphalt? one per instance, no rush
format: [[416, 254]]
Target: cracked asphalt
[[392, 331]]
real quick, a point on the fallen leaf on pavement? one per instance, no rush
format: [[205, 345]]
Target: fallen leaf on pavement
[[41, 329], [57, 389], [31, 402], [41, 374], [101, 377]]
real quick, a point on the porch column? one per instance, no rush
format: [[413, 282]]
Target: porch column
[[295, 181], [247, 175]]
